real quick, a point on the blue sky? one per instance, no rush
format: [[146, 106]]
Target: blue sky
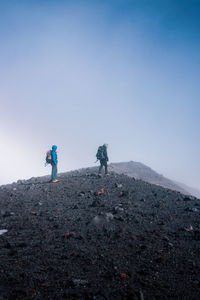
[[82, 73]]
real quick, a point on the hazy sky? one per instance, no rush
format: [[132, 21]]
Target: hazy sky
[[82, 73]]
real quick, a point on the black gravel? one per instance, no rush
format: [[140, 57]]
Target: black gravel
[[87, 237]]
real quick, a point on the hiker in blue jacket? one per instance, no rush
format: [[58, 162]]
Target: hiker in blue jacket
[[54, 162]]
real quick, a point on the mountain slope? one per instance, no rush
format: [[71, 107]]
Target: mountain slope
[[87, 237], [141, 171], [192, 191]]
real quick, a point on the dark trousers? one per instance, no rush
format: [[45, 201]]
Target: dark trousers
[[103, 163]]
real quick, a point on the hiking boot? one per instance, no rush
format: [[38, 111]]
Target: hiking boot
[[56, 180]]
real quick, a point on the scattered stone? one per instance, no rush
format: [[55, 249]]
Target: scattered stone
[[119, 218], [22, 181], [97, 219], [33, 213], [2, 231], [118, 185], [118, 209], [142, 200], [165, 238], [187, 198], [195, 209], [141, 295], [124, 193], [190, 228], [95, 203], [82, 194], [78, 282], [75, 206], [109, 217], [6, 214]]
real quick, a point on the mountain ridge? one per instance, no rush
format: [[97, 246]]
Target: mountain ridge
[[145, 173], [139, 171]]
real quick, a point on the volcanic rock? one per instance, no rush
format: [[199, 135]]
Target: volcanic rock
[[87, 241]]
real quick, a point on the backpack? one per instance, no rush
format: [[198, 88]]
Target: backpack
[[48, 157], [99, 154]]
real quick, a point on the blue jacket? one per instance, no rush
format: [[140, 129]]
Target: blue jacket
[[54, 155]]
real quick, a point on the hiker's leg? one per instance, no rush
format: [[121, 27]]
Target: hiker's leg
[[101, 166], [106, 167], [54, 172]]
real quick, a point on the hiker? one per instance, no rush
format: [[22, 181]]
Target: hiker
[[54, 162], [102, 156]]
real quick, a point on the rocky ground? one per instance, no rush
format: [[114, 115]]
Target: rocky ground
[[87, 237]]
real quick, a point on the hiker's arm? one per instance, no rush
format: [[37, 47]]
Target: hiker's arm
[[54, 157], [106, 155]]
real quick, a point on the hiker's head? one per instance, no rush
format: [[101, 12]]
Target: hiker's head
[[105, 145], [54, 147]]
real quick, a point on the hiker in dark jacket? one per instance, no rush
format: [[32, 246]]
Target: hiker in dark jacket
[[103, 158], [54, 162]]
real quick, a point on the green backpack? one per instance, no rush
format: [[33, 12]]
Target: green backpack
[[99, 154]]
